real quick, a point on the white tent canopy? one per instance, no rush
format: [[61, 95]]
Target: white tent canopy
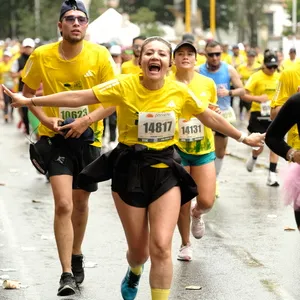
[[112, 26]]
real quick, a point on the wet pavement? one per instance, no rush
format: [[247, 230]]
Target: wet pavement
[[245, 255]]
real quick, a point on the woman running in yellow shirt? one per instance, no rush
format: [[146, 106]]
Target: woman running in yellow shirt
[[196, 148], [148, 183]]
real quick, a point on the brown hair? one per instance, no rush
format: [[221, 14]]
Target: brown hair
[[159, 39], [212, 44]]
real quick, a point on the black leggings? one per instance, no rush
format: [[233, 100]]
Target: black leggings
[[25, 119], [7, 102]]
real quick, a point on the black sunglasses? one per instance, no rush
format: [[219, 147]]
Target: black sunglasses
[[135, 46], [217, 54], [81, 19], [272, 67]]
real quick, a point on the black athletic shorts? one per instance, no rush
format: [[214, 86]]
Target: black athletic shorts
[[257, 123], [66, 162], [154, 182]]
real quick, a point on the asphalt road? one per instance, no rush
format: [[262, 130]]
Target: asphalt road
[[245, 255]]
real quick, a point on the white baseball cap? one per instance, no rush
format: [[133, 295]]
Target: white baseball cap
[[28, 42], [115, 50], [7, 53]]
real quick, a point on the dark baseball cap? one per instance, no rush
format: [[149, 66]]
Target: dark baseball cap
[[72, 5], [251, 53], [292, 50], [271, 60], [185, 43], [188, 37]]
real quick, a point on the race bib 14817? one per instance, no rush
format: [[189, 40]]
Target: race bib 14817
[[156, 127]]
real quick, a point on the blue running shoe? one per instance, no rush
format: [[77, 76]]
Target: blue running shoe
[[129, 285]]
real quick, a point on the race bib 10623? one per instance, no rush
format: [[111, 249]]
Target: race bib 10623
[[73, 112], [156, 127], [192, 130]]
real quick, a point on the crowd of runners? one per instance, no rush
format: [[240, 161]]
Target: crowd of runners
[[168, 109]]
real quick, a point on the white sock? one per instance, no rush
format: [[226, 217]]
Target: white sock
[[218, 165]]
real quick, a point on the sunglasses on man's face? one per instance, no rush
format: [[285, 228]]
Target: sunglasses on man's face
[[212, 54], [135, 46], [272, 67], [81, 19]]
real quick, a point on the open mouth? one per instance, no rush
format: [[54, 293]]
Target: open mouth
[[154, 67]]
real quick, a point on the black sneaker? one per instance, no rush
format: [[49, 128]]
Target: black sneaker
[[77, 268], [67, 285]]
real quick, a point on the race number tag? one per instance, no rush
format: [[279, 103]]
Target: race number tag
[[156, 127], [73, 112], [192, 130], [265, 109], [229, 115]]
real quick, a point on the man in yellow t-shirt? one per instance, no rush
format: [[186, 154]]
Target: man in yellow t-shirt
[[132, 66], [260, 90], [225, 56], [71, 64], [8, 81], [245, 70], [292, 60], [289, 84], [237, 58]]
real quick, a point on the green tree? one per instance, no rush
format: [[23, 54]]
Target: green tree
[[96, 8], [162, 13], [225, 13], [18, 18], [289, 30], [252, 16], [145, 18]]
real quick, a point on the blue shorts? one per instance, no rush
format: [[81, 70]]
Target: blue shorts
[[196, 160]]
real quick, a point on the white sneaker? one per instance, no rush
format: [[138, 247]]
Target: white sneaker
[[250, 164], [198, 225], [272, 179], [185, 253]]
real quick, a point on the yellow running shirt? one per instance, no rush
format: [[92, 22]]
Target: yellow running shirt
[[226, 57], [149, 117], [259, 84], [194, 137], [128, 67], [287, 63], [92, 66], [245, 71], [289, 84], [5, 75]]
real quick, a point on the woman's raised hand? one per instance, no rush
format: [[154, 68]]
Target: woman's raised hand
[[17, 99]]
